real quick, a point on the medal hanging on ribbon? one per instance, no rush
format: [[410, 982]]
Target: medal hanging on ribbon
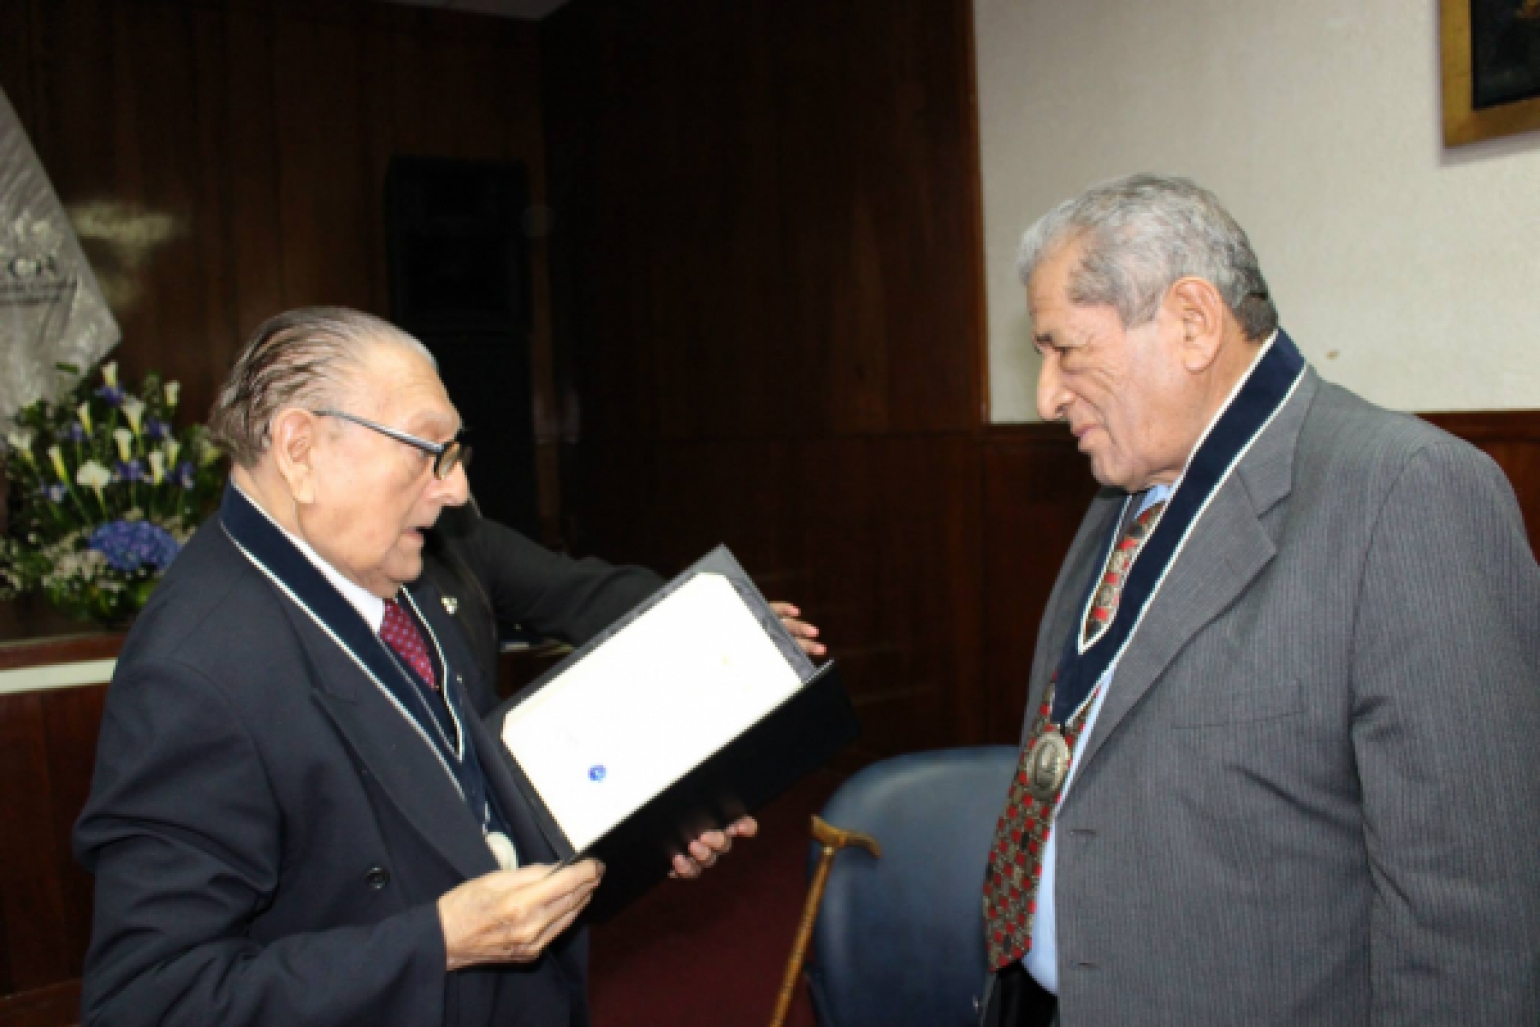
[[1136, 571]]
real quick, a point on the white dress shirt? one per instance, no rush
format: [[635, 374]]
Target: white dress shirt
[[370, 606]]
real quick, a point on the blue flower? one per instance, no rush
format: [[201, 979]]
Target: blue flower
[[133, 470], [156, 429], [55, 492], [184, 475], [113, 395], [133, 545], [75, 433]]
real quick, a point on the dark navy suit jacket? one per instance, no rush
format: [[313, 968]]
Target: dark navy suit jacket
[[270, 836]]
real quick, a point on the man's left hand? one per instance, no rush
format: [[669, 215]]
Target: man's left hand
[[709, 847], [805, 634]]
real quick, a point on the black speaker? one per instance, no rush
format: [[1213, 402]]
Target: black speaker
[[459, 281]]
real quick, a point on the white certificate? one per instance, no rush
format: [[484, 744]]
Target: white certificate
[[646, 707]]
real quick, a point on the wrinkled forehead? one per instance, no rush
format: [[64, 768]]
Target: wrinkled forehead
[[1050, 279], [400, 387]]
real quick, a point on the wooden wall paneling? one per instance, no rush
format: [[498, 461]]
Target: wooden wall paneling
[[917, 156], [216, 339], [609, 486], [1520, 460], [1036, 490], [763, 387], [475, 68], [753, 256], [38, 950], [1512, 438], [741, 494], [894, 556], [42, 1007], [393, 120], [591, 72], [840, 317], [71, 720], [326, 203], [76, 99], [167, 241], [253, 220]]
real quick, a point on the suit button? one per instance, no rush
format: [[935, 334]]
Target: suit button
[[376, 877]]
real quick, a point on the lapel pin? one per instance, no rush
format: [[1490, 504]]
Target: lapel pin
[[451, 604]]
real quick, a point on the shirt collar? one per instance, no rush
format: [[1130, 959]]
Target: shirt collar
[[369, 606]]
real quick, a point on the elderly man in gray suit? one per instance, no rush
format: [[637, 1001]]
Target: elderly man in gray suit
[[1280, 762]]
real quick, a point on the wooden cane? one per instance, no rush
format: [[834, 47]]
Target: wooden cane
[[833, 839]]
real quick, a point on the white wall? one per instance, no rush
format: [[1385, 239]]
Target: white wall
[[1408, 273]]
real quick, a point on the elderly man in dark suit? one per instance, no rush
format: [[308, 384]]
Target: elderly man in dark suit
[[1279, 764], [297, 816]]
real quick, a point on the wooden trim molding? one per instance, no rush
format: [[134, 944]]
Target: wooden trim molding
[[57, 675], [1477, 426]]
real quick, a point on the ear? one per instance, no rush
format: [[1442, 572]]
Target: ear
[[293, 449], [1196, 307]]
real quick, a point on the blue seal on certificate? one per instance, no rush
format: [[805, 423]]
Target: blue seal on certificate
[[596, 772]]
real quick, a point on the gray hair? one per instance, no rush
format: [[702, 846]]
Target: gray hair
[[1141, 235], [298, 359]]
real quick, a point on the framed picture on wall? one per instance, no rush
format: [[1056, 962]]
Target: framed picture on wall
[[1491, 68]]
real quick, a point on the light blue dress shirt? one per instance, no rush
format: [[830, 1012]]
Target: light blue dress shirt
[[1042, 960]]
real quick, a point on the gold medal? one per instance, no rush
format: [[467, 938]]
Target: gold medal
[[1047, 765]]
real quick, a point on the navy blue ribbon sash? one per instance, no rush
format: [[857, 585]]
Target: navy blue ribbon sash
[[1265, 390], [265, 543]]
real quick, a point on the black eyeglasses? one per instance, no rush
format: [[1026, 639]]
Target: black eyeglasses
[[446, 455]]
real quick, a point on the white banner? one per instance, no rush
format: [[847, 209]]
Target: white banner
[[51, 309]]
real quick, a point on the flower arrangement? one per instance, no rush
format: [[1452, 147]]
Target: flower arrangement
[[103, 494]]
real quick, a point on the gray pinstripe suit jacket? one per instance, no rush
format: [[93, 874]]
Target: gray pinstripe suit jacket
[[1313, 792]]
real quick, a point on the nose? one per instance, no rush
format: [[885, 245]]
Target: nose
[[1052, 396], [452, 490]]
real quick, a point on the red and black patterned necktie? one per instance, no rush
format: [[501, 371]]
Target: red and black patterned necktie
[[1016, 860], [402, 635]]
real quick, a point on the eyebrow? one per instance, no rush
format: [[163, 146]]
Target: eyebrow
[[427, 426]]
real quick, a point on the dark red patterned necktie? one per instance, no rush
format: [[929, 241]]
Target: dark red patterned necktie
[[1016, 860], [401, 634]]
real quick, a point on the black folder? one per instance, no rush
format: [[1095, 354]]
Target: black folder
[[804, 731]]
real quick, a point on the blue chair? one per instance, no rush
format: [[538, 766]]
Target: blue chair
[[899, 941]]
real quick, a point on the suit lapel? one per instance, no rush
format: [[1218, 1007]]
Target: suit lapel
[[353, 678], [528, 838], [1229, 547], [388, 744]]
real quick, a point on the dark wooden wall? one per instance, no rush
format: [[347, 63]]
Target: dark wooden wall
[[225, 160], [767, 281]]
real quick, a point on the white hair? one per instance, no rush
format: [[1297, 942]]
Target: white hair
[[1143, 233]]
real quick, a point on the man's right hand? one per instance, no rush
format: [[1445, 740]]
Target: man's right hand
[[510, 916]]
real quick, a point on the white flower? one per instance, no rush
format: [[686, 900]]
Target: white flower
[[125, 441], [21, 441], [133, 409], [93, 475], [110, 374], [157, 466], [173, 447], [84, 410], [172, 388], [56, 455]]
